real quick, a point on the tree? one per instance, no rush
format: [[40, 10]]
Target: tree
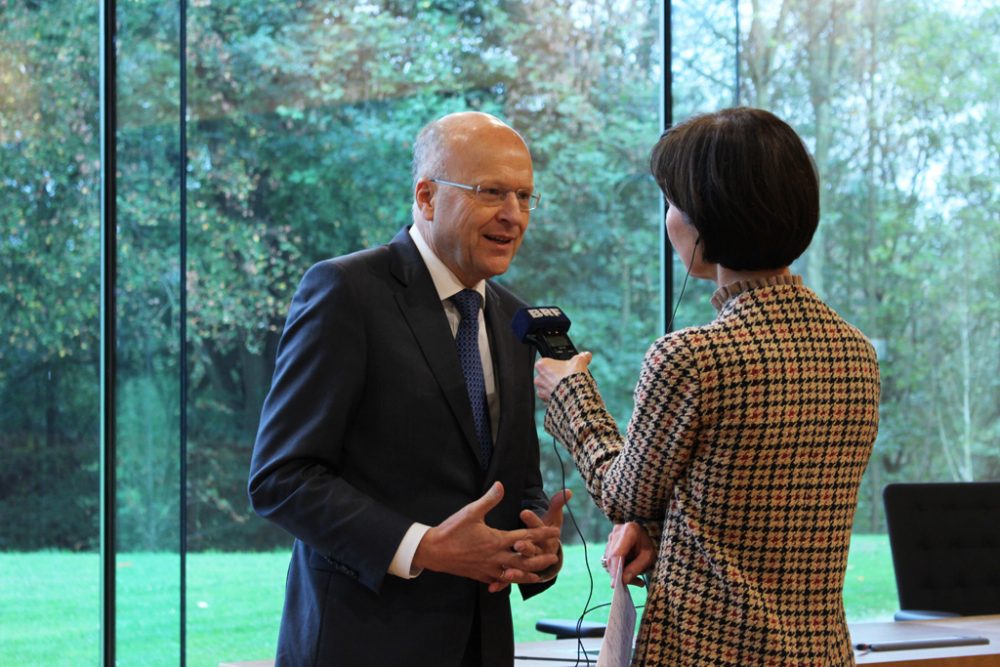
[[300, 122], [49, 287]]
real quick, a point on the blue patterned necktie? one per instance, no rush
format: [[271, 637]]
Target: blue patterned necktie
[[467, 339]]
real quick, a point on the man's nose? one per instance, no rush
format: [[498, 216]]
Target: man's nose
[[512, 207]]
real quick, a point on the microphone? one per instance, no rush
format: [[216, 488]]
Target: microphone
[[544, 327]]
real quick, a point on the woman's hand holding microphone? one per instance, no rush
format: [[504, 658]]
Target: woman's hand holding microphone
[[550, 372]]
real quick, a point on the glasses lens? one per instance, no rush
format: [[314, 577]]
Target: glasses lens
[[491, 196], [528, 201], [496, 197]]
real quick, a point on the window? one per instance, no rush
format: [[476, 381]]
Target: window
[[298, 129], [894, 101], [49, 333]]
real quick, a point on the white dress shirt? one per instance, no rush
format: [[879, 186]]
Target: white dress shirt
[[447, 285]]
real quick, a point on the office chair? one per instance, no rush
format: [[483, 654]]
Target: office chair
[[945, 543]]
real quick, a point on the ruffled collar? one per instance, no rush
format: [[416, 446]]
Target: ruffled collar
[[727, 292]]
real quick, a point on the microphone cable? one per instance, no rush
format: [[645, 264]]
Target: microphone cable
[[580, 649], [687, 274], [586, 561]]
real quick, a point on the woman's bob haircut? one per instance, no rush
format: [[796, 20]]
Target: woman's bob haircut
[[746, 182]]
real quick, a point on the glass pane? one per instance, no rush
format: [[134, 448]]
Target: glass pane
[[896, 101], [897, 104], [148, 343], [302, 122], [594, 248], [703, 59], [49, 333]]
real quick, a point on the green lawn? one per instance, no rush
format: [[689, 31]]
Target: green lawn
[[50, 612]]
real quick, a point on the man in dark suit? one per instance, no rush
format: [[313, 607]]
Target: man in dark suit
[[407, 473]]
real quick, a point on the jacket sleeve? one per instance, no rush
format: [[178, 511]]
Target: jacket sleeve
[[632, 478], [295, 478]]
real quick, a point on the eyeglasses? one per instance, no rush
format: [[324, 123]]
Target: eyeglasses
[[526, 200]]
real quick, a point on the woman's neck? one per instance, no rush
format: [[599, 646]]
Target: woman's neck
[[724, 276]]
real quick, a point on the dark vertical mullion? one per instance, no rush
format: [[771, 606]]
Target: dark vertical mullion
[[109, 277], [667, 119], [183, 363]]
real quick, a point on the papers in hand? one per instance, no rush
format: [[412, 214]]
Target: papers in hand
[[616, 648]]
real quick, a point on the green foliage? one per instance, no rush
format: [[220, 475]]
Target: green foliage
[[893, 99], [300, 123], [49, 298]]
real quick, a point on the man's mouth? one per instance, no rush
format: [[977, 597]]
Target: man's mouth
[[502, 240]]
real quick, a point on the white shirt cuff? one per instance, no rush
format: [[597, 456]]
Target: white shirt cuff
[[401, 564]]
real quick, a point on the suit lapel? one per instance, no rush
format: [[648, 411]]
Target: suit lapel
[[419, 303], [498, 323]]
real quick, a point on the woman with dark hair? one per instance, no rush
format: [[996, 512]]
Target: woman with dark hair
[[737, 479]]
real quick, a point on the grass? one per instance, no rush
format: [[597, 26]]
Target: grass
[[50, 603]]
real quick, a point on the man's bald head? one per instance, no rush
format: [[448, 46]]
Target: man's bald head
[[448, 134]]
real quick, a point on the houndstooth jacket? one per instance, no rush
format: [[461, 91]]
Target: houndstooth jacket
[[742, 459]]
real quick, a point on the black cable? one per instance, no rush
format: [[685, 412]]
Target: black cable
[[687, 274], [590, 575], [580, 649]]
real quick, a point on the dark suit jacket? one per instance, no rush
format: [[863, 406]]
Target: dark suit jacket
[[366, 429]]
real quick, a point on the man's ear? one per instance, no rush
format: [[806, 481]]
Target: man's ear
[[423, 195]]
